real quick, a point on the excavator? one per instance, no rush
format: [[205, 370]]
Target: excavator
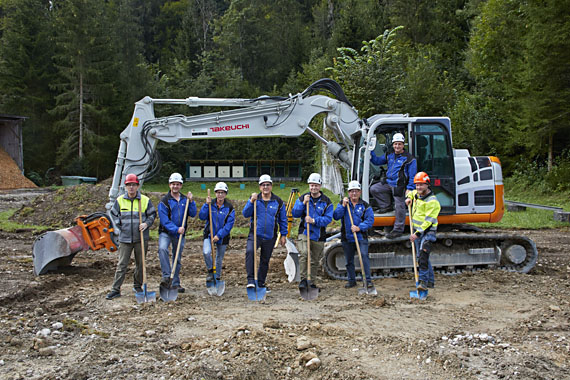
[[469, 189]]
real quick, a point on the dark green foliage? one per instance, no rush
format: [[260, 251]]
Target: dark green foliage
[[499, 68]]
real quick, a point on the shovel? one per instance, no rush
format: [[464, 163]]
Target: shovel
[[420, 294], [166, 292], [363, 290], [215, 288], [144, 296], [256, 293], [309, 293]]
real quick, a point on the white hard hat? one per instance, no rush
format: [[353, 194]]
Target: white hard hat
[[398, 137], [265, 178], [353, 185], [315, 178], [175, 177], [221, 186]]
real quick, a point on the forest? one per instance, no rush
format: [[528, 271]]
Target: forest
[[500, 69]]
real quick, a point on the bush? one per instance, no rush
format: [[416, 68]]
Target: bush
[[535, 174]]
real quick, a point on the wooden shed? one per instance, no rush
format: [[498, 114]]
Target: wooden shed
[[11, 139]]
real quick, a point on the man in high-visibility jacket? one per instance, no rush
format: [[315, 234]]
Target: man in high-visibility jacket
[[425, 210], [125, 215]]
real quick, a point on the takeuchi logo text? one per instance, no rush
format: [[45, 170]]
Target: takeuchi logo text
[[229, 127]]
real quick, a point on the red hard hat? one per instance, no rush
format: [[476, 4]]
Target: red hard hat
[[422, 177], [131, 178]]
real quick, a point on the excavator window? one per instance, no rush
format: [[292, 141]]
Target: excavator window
[[432, 149]]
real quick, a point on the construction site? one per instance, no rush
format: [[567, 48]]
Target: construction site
[[487, 324]]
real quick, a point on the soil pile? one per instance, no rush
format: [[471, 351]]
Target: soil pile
[[59, 209], [11, 176]]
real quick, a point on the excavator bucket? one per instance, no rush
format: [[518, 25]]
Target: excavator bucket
[[56, 249]]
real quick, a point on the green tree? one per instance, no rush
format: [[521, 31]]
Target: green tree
[[26, 69], [518, 55], [84, 60], [265, 40], [545, 92]]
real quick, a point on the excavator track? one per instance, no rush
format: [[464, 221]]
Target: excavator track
[[453, 253]]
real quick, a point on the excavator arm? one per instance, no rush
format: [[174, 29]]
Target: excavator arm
[[264, 116]]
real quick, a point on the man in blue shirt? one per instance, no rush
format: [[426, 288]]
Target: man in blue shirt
[[320, 215], [173, 227], [402, 168], [271, 214]]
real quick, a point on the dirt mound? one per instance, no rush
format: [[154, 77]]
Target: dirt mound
[[11, 176], [59, 209]]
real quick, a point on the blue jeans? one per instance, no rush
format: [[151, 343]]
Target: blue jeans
[[425, 271], [266, 249], [349, 252], [220, 252], [164, 241]]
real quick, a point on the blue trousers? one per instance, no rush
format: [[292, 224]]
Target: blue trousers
[[264, 256], [425, 269], [349, 252], [220, 252], [164, 241]]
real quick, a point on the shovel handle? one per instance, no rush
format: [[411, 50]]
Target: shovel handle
[[308, 247], [357, 245], [212, 236], [255, 241], [142, 244], [413, 243], [180, 236]]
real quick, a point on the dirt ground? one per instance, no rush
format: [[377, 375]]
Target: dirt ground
[[482, 325]]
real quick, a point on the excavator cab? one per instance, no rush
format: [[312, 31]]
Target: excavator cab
[[432, 148]]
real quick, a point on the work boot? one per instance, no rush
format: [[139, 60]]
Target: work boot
[[350, 284], [422, 285], [210, 276], [430, 285], [267, 290], [137, 289], [113, 294], [370, 285], [303, 284], [165, 282], [393, 234]]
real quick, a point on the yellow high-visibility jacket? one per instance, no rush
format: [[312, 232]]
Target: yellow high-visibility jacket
[[424, 211]]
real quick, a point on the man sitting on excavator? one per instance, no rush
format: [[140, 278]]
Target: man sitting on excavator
[[399, 182]]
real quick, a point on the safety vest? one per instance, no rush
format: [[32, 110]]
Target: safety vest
[[424, 211]]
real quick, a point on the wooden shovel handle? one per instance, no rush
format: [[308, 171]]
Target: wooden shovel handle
[[142, 244], [255, 240], [308, 247], [212, 235], [357, 245], [180, 236], [413, 243]]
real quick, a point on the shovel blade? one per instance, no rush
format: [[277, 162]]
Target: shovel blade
[[167, 294], [372, 291], [256, 293], [145, 296], [211, 287], [362, 291], [220, 288], [309, 293], [419, 294]]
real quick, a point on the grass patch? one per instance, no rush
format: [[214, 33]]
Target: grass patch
[[518, 192], [530, 218], [9, 226]]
